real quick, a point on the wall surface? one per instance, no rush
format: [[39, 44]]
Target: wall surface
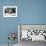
[[29, 12], [7, 25]]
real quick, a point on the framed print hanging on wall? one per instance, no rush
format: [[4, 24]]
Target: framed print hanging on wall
[[9, 11]]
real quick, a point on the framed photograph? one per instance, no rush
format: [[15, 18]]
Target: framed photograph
[[31, 32], [9, 11]]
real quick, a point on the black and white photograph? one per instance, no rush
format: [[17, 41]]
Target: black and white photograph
[[9, 11], [28, 34]]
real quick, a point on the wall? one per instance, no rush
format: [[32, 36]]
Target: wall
[[29, 12], [7, 25]]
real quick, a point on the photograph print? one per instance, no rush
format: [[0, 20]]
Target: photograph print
[[9, 11]]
